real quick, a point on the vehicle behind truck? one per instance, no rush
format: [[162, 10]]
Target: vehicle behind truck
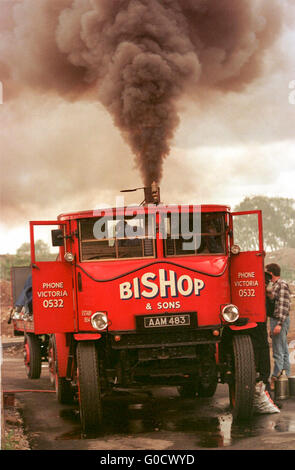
[[146, 295]]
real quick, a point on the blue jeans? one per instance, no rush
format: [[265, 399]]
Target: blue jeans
[[280, 347]]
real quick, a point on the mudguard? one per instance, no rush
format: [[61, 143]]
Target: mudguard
[[243, 327], [62, 353], [86, 336]]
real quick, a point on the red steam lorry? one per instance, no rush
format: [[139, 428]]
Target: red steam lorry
[[147, 294]]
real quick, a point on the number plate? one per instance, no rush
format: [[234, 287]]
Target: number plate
[[164, 321]]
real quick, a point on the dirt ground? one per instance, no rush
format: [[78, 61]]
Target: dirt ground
[[5, 305], [13, 436]]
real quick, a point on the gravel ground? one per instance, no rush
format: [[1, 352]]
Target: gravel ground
[[14, 435]]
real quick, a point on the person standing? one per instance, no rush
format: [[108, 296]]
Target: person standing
[[279, 322]]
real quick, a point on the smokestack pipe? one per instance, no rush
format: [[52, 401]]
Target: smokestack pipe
[[151, 193]]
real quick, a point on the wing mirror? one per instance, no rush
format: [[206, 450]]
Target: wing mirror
[[57, 237]]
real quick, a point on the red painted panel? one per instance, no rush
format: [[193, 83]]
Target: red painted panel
[[245, 327], [141, 210], [248, 285], [86, 336], [53, 308], [124, 289]]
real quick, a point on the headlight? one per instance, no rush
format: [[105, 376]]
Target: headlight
[[235, 249], [99, 321], [69, 257], [230, 313]]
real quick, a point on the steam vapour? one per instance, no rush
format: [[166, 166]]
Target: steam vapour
[[137, 57]]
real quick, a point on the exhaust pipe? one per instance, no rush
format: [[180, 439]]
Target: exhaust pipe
[[151, 193]]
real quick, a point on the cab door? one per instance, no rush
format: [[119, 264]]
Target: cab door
[[52, 287], [247, 266]]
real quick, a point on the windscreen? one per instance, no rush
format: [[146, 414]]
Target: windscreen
[[110, 237], [193, 234]]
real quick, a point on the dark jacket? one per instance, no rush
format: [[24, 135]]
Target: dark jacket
[[270, 307]]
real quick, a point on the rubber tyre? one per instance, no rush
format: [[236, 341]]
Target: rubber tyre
[[52, 361], [242, 390], [63, 387], [64, 391], [188, 390], [192, 391], [89, 388], [209, 390], [32, 356]]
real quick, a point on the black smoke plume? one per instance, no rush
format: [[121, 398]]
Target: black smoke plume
[[137, 57]]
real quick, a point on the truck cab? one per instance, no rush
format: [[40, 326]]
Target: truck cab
[[152, 294]]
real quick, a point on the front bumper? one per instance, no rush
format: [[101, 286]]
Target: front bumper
[[143, 340]]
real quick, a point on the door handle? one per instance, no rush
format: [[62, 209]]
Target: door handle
[[80, 287]]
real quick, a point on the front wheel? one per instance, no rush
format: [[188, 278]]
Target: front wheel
[[242, 389], [89, 388]]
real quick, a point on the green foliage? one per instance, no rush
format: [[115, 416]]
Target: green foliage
[[285, 258], [6, 261], [246, 233], [23, 257], [278, 221]]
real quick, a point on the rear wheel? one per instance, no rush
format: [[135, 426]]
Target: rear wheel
[[208, 389], [63, 387], [52, 360], [202, 390], [64, 391], [32, 356], [89, 388], [188, 390], [242, 389]]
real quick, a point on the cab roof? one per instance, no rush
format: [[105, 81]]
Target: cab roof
[[150, 208]]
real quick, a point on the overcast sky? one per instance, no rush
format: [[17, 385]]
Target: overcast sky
[[239, 144]]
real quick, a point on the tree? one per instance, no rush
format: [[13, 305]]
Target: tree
[[6, 261], [23, 257], [42, 251], [278, 221]]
